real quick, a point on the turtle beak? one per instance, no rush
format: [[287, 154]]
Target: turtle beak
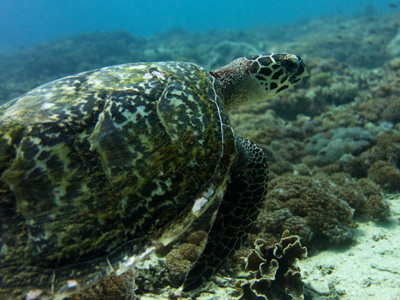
[[302, 66], [300, 72]]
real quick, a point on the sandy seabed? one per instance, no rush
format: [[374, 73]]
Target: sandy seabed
[[368, 270]]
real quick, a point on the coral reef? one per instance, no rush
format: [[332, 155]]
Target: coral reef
[[380, 163], [323, 213], [318, 208], [332, 145], [275, 274]]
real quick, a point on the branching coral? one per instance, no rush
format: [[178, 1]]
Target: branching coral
[[274, 271]]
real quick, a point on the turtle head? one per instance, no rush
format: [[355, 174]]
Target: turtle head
[[259, 77]]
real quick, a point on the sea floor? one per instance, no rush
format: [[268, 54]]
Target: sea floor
[[369, 270]]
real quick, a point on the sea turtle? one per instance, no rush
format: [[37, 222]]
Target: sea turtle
[[99, 168]]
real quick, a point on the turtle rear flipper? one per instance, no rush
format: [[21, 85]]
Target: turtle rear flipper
[[239, 209]]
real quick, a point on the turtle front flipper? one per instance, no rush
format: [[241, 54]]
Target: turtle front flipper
[[239, 209]]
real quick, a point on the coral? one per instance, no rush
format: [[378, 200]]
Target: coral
[[381, 163], [316, 143], [112, 287], [395, 64], [369, 188], [313, 200], [391, 113], [255, 122], [179, 260], [321, 206], [275, 275], [385, 174], [387, 148], [345, 187], [377, 207], [300, 225], [331, 146], [321, 79], [354, 166]]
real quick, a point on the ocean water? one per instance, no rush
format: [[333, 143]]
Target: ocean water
[[104, 173], [26, 22]]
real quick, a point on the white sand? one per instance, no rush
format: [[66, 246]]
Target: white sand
[[368, 270]]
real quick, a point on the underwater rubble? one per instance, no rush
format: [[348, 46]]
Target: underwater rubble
[[333, 142]]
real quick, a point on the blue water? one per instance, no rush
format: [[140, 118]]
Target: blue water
[[28, 22]]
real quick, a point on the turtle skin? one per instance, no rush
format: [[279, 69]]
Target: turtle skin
[[98, 167]]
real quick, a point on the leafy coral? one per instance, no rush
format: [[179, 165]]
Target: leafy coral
[[275, 274]]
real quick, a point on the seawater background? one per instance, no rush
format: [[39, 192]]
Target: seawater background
[[28, 22]]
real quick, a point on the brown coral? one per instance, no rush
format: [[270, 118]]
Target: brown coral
[[308, 206], [385, 174], [112, 287], [377, 207], [179, 260], [387, 148], [380, 163], [275, 275], [319, 207]]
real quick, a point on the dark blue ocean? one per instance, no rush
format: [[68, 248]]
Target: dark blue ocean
[[28, 22]]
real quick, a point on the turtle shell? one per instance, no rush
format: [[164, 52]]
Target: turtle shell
[[96, 166]]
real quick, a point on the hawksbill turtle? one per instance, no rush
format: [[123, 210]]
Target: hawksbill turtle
[[98, 168]]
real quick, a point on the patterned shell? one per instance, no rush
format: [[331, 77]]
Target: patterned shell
[[97, 165]]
